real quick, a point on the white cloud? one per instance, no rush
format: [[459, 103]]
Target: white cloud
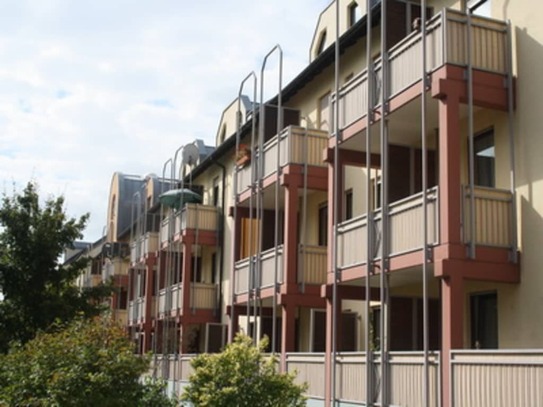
[[90, 88]]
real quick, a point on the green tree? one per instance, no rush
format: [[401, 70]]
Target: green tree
[[241, 376], [36, 287], [89, 362]]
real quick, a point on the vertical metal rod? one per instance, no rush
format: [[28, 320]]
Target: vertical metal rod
[[425, 248], [276, 223], [369, 211], [383, 278], [335, 193], [511, 130], [303, 235], [235, 201], [473, 220], [277, 186]]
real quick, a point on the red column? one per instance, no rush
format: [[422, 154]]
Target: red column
[[290, 247], [328, 354], [149, 290], [452, 317], [185, 289], [288, 330], [332, 167], [449, 168]]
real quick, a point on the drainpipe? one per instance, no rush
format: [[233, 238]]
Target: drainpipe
[[221, 233]]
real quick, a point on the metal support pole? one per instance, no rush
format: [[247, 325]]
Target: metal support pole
[[236, 199], [276, 223], [425, 248], [383, 277], [472, 218], [335, 220], [369, 211], [511, 130]]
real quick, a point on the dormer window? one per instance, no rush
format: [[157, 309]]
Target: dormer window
[[322, 42], [354, 14]]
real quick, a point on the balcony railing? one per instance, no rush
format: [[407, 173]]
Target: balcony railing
[[297, 145], [192, 216], [491, 378], [446, 41], [202, 296], [493, 210], [405, 369], [114, 267], [264, 275], [197, 216], [313, 264], [406, 232]]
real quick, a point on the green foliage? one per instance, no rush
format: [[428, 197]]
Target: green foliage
[[37, 289], [241, 376], [89, 362]]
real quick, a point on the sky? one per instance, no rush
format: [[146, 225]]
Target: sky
[[88, 88]]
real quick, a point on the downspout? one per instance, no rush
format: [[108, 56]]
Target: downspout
[[221, 235]]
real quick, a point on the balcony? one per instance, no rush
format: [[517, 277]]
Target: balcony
[[114, 267], [194, 217], [259, 278], [493, 210], [143, 245], [202, 296], [296, 145], [406, 232], [447, 35]]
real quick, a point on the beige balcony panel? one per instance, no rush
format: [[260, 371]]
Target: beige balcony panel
[[196, 216], [351, 377], [150, 242], [244, 178], [493, 217], [314, 260], [162, 301], [203, 296], [268, 267], [352, 238], [185, 367], [406, 223], [498, 378], [241, 277], [310, 369], [406, 378]]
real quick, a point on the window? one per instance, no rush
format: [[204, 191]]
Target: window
[[323, 224], [485, 156], [322, 43], [324, 112], [348, 204], [484, 321], [354, 14]]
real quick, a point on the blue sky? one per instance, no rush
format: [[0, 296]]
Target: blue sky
[[88, 88]]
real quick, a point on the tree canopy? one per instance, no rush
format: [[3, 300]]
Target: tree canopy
[[36, 287], [89, 362], [241, 376]]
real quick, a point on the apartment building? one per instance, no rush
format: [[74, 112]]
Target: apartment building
[[378, 219]]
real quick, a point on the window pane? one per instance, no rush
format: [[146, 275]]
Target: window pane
[[485, 156]]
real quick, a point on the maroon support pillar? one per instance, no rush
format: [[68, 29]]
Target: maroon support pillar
[[186, 286], [288, 330]]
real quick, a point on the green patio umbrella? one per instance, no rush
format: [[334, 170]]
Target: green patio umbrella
[[176, 198]]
